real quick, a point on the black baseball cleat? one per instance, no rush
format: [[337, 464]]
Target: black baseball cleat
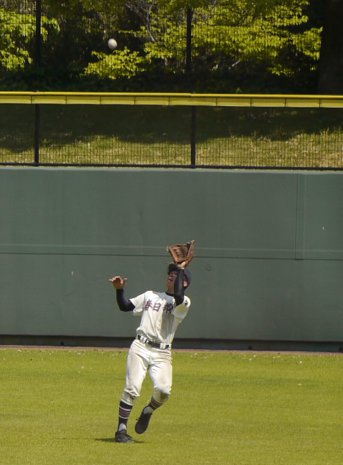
[[123, 437], [142, 422]]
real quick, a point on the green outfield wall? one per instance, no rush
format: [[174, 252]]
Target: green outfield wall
[[269, 264]]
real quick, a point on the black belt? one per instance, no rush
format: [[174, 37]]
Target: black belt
[[157, 345]]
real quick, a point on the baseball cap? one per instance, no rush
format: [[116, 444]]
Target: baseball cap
[[172, 267]]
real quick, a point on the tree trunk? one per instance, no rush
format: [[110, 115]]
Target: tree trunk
[[331, 53]]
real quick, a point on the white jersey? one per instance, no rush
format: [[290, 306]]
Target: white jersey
[[160, 317]]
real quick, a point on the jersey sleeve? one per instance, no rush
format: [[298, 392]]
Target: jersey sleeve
[[139, 303], [180, 311]]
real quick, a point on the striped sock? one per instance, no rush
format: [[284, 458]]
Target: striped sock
[[153, 405], [124, 414]]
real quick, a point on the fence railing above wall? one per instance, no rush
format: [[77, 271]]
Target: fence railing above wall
[[171, 129], [167, 98]]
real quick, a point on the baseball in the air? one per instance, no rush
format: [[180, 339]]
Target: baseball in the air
[[112, 44]]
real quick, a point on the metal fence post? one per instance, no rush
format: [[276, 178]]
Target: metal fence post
[[38, 62], [193, 136], [189, 74], [189, 45], [37, 135]]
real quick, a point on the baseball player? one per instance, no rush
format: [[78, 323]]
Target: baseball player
[[161, 313]]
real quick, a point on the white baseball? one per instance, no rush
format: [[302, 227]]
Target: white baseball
[[112, 44]]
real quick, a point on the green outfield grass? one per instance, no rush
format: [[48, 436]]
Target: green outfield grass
[[81, 134], [59, 406]]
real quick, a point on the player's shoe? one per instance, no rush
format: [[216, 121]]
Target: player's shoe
[[142, 422], [123, 437]]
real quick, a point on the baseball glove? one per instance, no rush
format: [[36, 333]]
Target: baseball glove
[[182, 252]]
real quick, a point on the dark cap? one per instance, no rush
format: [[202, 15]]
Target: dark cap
[[172, 267]]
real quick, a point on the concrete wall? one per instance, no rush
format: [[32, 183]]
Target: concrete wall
[[269, 262]]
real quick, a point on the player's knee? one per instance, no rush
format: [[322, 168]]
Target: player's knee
[[162, 394], [129, 396]]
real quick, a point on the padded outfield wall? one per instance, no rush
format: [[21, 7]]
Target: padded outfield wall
[[269, 262]]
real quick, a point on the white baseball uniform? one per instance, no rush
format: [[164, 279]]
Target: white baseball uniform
[[151, 350]]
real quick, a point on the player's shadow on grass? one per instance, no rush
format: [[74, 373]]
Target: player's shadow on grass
[[112, 440]]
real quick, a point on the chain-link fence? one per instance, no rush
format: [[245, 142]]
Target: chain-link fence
[[227, 46], [186, 136]]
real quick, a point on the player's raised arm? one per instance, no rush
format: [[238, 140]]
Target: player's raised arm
[[181, 282], [118, 282], [124, 304], [179, 289]]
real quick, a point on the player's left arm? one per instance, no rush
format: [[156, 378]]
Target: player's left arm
[[179, 290], [182, 302]]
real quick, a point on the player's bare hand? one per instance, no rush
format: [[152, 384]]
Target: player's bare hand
[[118, 282]]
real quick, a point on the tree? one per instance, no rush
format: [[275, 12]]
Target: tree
[[231, 39], [17, 33], [237, 45], [331, 53]]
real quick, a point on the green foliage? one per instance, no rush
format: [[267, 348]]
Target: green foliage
[[236, 44], [232, 32], [17, 31], [226, 34], [121, 64]]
